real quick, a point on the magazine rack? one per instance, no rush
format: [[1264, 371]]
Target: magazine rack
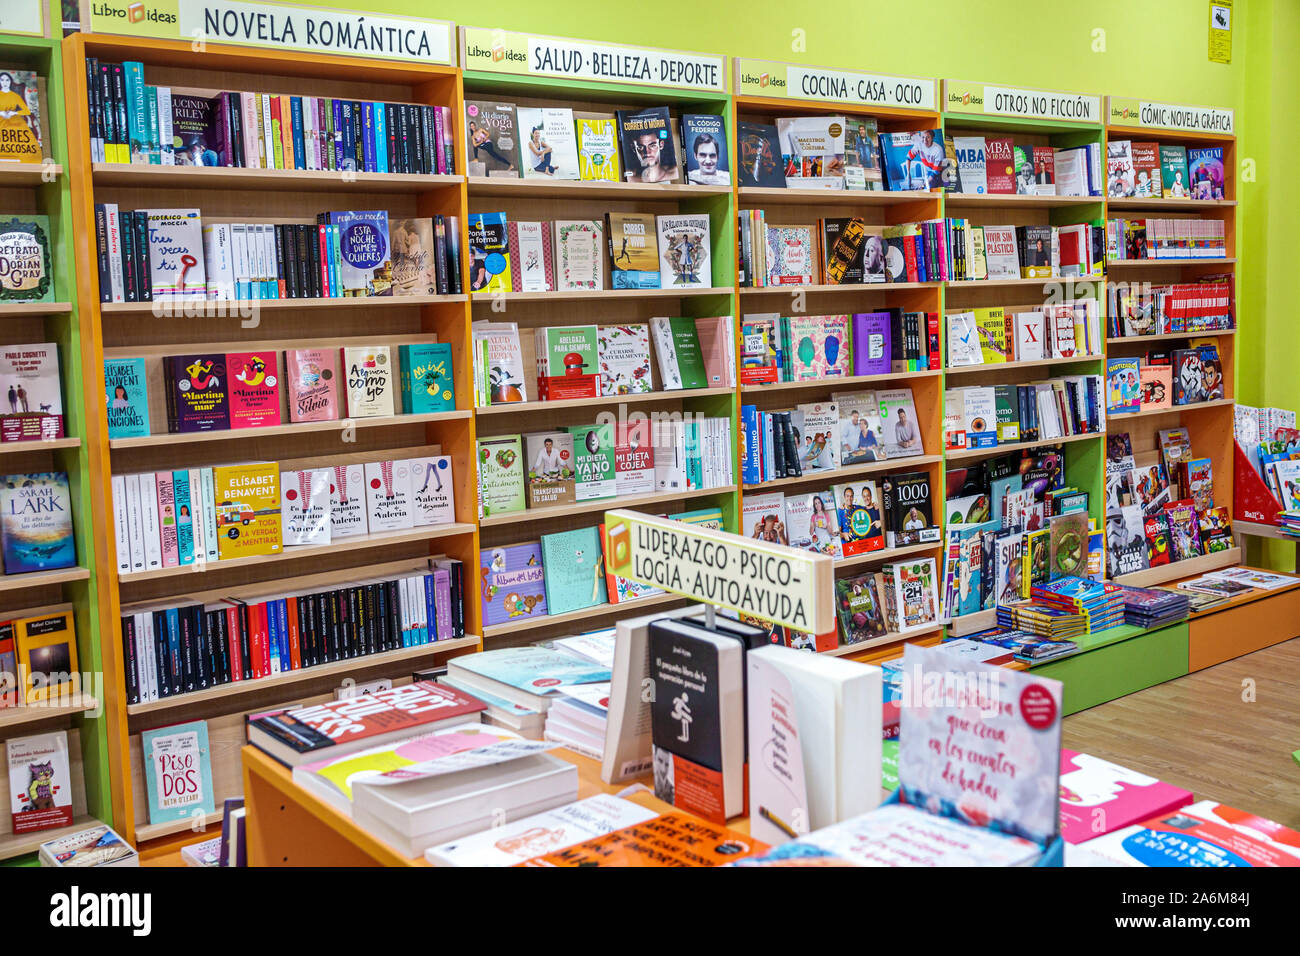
[[1252, 500]]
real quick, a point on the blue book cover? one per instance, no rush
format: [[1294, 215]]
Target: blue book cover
[[178, 771], [1205, 172], [368, 136], [575, 570], [282, 621], [427, 384], [184, 516], [538, 670], [365, 261], [913, 161], [513, 583], [127, 395], [175, 658], [381, 138], [299, 145], [36, 522], [750, 472]]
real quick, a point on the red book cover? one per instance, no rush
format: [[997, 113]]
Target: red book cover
[[232, 633], [1045, 169], [264, 638], [313, 384], [712, 333], [1000, 165], [295, 649], [256, 641], [8, 667], [254, 389]]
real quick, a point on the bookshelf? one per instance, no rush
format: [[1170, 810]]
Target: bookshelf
[[44, 189], [533, 199], [152, 330], [781, 95]]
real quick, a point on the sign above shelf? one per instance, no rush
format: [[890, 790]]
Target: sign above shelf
[[795, 81], [1125, 111], [23, 17], [281, 26], [983, 99], [525, 54]]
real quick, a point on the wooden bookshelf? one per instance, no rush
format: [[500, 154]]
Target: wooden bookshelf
[[889, 640], [22, 175], [125, 330], [842, 288], [839, 384], [38, 712], [1177, 570], [21, 310], [972, 454], [1165, 204], [1168, 337], [1116, 421], [640, 398], [517, 188], [1003, 367], [581, 619], [599, 506], [965, 201], [40, 579], [759, 196], [885, 555], [1113, 265], [580, 295], [24, 447], [835, 475]]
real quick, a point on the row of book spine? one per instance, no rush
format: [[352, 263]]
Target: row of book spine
[[171, 651], [132, 122]]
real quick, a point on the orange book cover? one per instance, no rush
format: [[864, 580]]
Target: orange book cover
[[286, 131], [673, 839]]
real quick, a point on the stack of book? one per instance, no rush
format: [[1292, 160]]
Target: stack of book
[[832, 152], [1152, 607], [1022, 645], [1101, 603], [976, 253], [988, 415], [1043, 621]]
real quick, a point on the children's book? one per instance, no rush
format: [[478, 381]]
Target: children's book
[[513, 584], [575, 570], [178, 772]]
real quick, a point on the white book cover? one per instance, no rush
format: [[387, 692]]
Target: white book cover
[[166, 137], [763, 517], [176, 253], [980, 417], [348, 506], [388, 496], [210, 515], [219, 260], [267, 136], [530, 255], [971, 164], [505, 382], [661, 331], [198, 508], [239, 259], [40, 782], [541, 833], [963, 340], [149, 519], [624, 355], [548, 145], [1071, 167], [684, 252], [121, 525], [433, 498], [1031, 336], [305, 506], [579, 254], [370, 381], [1000, 256], [819, 447], [670, 457]]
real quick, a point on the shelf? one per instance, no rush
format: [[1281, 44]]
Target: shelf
[[775, 196], [975, 200], [834, 475], [239, 688], [37, 711], [18, 310], [600, 504], [843, 287], [291, 552], [1167, 337], [28, 174], [181, 308], [1171, 410], [1012, 366], [965, 624], [20, 844], [487, 298], [1181, 569], [1154, 263], [970, 454], [846, 649], [38, 579], [291, 428], [586, 613], [18, 447], [152, 831], [885, 554], [835, 383], [641, 398], [287, 180], [1161, 202], [583, 189], [962, 284]]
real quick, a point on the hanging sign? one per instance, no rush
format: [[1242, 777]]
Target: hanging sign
[[1123, 111], [797, 82], [25, 17], [1220, 31], [771, 582], [280, 26], [983, 99], [525, 54]]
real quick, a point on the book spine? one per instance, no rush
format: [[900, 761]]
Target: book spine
[[298, 131]]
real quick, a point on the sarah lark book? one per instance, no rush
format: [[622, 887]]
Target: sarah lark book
[[36, 522]]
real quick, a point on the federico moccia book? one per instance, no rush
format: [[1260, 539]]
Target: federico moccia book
[[178, 771]]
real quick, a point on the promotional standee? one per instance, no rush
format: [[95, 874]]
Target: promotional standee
[[871, 559]]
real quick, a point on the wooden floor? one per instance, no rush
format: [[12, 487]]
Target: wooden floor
[[1205, 734]]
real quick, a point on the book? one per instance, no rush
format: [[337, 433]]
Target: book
[[531, 262], [500, 475], [513, 582], [548, 147], [1067, 545], [40, 782], [312, 384], [491, 138], [646, 141], [810, 522], [1205, 172], [861, 155], [415, 254], [35, 407], [670, 839], [1204, 833], [198, 393], [704, 147], [857, 604], [913, 160], [791, 255], [1174, 180], [633, 250], [1126, 546], [1120, 181], [427, 382], [684, 251], [26, 268], [634, 470], [489, 253], [906, 508], [178, 771], [623, 352], [127, 395], [433, 495], [36, 522], [812, 151], [247, 503], [1099, 797], [550, 468], [820, 347], [677, 349], [758, 151], [305, 506], [348, 501], [593, 461], [971, 163], [176, 253], [26, 137], [254, 388], [97, 846], [1000, 256], [579, 254], [597, 148], [499, 364], [1123, 386], [575, 570], [1184, 531], [872, 343], [568, 362], [991, 324], [1156, 387], [1000, 165], [196, 137], [1146, 169], [899, 423], [370, 385], [861, 433]]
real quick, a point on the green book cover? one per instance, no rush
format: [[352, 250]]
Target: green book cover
[[687, 358], [127, 397], [1008, 413], [575, 570], [151, 107], [500, 475], [137, 111], [1173, 171], [593, 461], [427, 384], [26, 273], [568, 362]]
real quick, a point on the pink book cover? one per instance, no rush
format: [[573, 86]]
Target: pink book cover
[[442, 602], [712, 334], [254, 389], [313, 384], [1099, 797], [536, 264], [167, 519]]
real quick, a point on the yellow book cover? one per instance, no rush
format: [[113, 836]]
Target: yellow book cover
[[992, 325], [47, 656], [597, 148], [489, 253], [248, 509], [286, 130]]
